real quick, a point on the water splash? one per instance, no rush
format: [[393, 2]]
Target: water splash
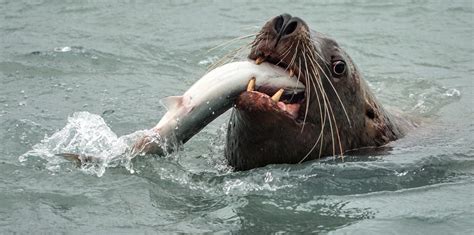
[[86, 134], [433, 99]]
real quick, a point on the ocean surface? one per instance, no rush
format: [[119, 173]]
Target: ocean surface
[[87, 75]]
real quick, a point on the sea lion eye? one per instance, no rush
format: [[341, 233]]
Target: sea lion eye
[[338, 67]]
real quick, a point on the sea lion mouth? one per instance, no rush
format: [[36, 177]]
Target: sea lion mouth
[[283, 42], [267, 98]]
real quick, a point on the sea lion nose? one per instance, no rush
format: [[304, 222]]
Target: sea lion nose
[[285, 24]]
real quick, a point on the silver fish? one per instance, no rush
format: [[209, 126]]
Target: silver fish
[[203, 102], [216, 93]]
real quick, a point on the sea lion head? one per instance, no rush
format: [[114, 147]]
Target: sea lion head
[[336, 113]]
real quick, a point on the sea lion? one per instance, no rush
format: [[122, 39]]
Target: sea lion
[[337, 113], [333, 113]]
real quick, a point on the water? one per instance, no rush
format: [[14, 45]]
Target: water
[[97, 70]]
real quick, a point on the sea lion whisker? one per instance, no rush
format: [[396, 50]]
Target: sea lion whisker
[[321, 132], [293, 60], [290, 66], [229, 57], [226, 43], [308, 92], [337, 133], [326, 102], [327, 105], [284, 55], [258, 38], [288, 50], [322, 121], [308, 95], [337, 93], [332, 120], [317, 77], [224, 59]]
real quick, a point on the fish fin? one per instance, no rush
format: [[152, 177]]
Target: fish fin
[[172, 102], [77, 159], [69, 156]]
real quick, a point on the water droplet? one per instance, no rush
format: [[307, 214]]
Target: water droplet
[[268, 177], [453, 92], [62, 49]]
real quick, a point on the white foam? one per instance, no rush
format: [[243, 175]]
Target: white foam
[[86, 134]]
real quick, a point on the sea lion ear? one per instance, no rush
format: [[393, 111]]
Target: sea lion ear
[[171, 102]]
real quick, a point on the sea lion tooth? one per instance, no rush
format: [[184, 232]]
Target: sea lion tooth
[[251, 84], [292, 72], [276, 97], [259, 60]]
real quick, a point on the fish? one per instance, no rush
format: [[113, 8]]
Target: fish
[[216, 93], [208, 98]]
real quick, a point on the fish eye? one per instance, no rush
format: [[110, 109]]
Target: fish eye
[[338, 67]]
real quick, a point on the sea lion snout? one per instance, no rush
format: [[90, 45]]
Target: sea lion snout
[[286, 25]]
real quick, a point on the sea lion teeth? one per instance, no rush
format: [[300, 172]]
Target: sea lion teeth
[[259, 60], [292, 72], [251, 84], [276, 97]]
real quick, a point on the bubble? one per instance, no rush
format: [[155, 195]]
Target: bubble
[[268, 177], [453, 92], [62, 49], [403, 173]]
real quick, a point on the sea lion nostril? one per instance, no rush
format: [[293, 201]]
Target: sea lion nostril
[[278, 24], [285, 24], [290, 28]]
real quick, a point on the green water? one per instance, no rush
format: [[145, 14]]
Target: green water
[[106, 64]]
